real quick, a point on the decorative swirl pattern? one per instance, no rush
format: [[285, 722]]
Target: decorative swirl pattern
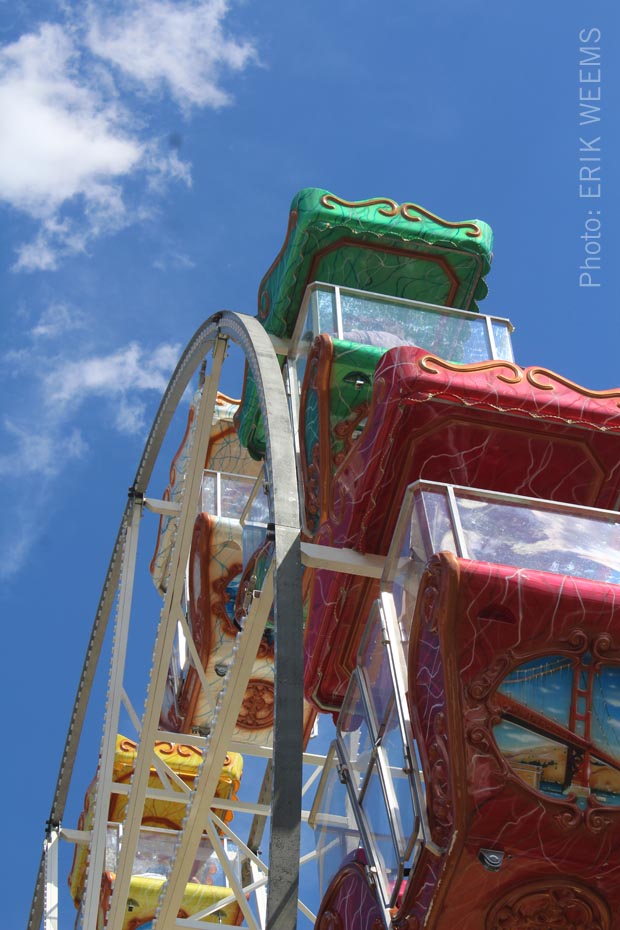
[[480, 687], [473, 231], [257, 710], [430, 599], [569, 818], [602, 645], [480, 738], [176, 749], [391, 208], [432, 364], [430, 596], [162, 748], [439, 786], [331, 202], [558, 905], [577, 640], [595, 820], [534, 374]]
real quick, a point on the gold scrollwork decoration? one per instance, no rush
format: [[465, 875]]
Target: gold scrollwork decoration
[[534, 374], [331, 202], [432, 364], [472, 229], [126, 745], [165, 748], [391, 208]]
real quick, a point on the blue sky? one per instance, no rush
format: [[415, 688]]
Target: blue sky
[[150, 152]]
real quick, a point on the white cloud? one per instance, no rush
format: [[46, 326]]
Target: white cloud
[[163, 168], [40, 453], [178, 46], [68, 150], [63, 143], [17, 541], [173, 259], [38, 255], [70, 145], [39, 449], [56, 320], [120, 377], [60, 139], [129, 416], [51, 433]]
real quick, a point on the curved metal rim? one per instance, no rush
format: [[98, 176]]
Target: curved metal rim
[[284, 511]]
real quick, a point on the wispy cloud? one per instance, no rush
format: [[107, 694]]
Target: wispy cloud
[[36, 451], [22, 530], [56, 320], [82, 157], [173, 259], [76, 155], [60, 138], [39, 451], [50, 434], [179, 47], [120, 377]]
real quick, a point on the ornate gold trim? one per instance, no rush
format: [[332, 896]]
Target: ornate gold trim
[[475, 232], [392, 209], [331, 202], [432, 364], [533, 375]]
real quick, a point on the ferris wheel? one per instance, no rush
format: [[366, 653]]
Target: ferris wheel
[[139, 777], [346, 542]]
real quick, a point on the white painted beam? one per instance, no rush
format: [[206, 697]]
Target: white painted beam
[[165, 508], [347, 561]]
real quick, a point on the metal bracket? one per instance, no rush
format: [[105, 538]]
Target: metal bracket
[[51, 826]]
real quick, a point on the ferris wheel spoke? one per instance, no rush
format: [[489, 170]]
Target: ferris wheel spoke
[[164, 642], [274, 887], [182, 374], [285, 793]]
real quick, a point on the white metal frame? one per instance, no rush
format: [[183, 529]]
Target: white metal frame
[[292, 348], [277, 910]]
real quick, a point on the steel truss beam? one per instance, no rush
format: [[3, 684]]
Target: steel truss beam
[[188, 363], [284, 576]]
